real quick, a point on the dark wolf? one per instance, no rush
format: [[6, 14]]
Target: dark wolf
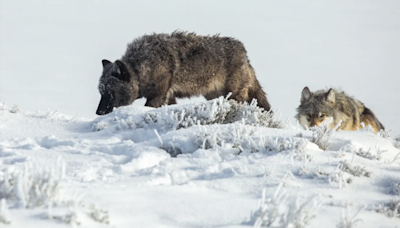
[[163, 67], [317, 107]]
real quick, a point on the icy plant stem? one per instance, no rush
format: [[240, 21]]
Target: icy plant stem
[[397, 157], [159, 138], [347, 222]]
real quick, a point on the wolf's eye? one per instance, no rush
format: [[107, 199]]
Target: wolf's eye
[[321, 115], [111, 95]]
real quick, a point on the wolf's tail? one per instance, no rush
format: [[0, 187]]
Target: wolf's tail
[[368, 114], [256, 92]]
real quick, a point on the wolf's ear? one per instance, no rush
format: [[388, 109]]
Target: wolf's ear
[[330, 96], [105, 62], [305, 95], [124, 74]]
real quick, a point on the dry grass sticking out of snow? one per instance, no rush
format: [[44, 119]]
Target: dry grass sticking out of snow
[[35, 186], [32, 186], [281, 211], [322, 134]]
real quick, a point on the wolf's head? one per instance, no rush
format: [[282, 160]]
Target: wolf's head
[[117, 86], [315, 108]]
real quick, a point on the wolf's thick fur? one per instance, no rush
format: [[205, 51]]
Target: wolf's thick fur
[[163, 67], [321, 105]]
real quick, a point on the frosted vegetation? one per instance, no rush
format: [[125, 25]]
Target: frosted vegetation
[[216, 163], [168, 118]]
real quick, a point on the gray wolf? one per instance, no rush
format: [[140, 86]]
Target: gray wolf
[[163, 67], [317, 107]]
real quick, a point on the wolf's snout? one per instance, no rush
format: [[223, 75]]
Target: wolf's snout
[[100, 112], [104, 106]]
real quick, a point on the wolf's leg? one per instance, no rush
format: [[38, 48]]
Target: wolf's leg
[[171, 100], [213, 95], [159, 95], [256, 92], [241, 95], [156, 102], [238, 86], [163, 98], [244, 81]]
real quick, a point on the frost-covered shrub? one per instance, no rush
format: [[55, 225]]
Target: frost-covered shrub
[[216, 111], [280, 211], [294, 148], [33, 185], [397, 142], [337, 176], [317, 172], [284, 144], [391, 209], [356, 171], [173, 148], [237, 135], [384, 134], [207, 140], [322, 134], [74, 211], [242, 138], [364, 153], [14, 109], [53, 115], [70, 215], [367, 128], [99, 215], [98, 126], [396, 158], [348, 221]]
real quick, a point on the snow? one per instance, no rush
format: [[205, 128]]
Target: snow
[[198, 163], [162, 172]]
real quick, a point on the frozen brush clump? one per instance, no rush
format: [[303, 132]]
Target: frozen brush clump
[[322, 134], [391, 208], [397, 142], [168, 118], [237, 136], [281, 211], [32, 186]]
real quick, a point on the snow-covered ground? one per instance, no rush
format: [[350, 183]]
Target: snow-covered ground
[[147, 167], [196, 165]]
